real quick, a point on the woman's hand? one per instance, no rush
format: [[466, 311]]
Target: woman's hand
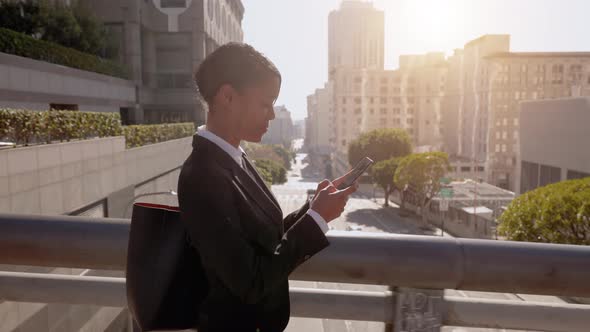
[[328, 201]]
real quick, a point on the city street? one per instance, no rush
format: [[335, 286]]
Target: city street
[[362, 213]]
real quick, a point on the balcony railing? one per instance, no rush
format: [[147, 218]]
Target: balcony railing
[[420, 267]]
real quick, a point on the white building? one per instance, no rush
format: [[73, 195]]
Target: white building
[[355, 36], [554, 138]]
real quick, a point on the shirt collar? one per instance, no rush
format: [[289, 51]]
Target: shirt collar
[[236, 154]]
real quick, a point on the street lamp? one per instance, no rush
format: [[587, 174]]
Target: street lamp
[[169, 192]]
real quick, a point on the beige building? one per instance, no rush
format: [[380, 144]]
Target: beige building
[[408, 98], [485, 85], [465, 114], [320, 115], [355, 36], [517, 77]]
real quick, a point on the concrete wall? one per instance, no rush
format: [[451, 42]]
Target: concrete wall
[[556, 133], [33, 84], [61, 178]]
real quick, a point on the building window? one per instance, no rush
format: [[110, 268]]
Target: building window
[[497, 135], [515, 121], [503, 147], [465, 169], [343, 100], [576, 175], [529, 178], [515, 134], [383, 111], [372, 111], [383, 100], [504, 135], [343, 142], [396, 111], [410, 110], [357, 111], [357, 100], [372, 100], [497, 147], [173, 3], [549, 174], [505, 121]]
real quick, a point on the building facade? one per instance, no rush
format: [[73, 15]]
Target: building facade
[[163, 42], [356, 36], [320, 115], [554, 139], [280, 130], [518, 77]]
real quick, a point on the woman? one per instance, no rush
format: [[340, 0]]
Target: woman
[[247, 248]]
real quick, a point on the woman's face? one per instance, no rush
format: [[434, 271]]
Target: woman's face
[[255, 107]]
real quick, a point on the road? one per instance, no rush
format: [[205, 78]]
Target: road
[[365, 214]]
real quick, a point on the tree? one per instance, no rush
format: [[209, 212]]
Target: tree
[[419, 174], [20, 16], [380, 144], [278, 173], [383, 173], [556, 213], [286, 154]]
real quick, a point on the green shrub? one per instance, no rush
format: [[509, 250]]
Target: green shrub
[[138, 135], [556, 213], [24, 127], [22, 45], [278, 173]]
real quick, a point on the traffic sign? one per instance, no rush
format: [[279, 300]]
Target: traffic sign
[[446, 192], [444, 180]]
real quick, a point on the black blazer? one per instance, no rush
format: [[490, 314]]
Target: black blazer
[[247, 248]]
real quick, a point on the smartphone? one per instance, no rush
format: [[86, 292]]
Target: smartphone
[[357, 171]]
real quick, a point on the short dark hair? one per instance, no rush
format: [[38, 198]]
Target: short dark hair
[[237, 64]]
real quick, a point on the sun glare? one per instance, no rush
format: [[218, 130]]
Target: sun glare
[[433, 23]]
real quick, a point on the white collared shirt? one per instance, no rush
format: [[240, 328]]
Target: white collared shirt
[[236, 154]]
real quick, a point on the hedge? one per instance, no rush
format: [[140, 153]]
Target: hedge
[[23, 127], [22, 45], [138, 135]]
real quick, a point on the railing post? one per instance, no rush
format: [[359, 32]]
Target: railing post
[[416, 310]]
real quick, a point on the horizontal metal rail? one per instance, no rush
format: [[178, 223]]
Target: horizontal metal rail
[[315, 303], [367, 258]]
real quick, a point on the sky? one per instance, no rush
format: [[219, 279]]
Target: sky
[[294, 33]]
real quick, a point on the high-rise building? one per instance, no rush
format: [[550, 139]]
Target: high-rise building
[[163, 42], [408, 98], [485, 86], [320, 126], [280, 130], [517, 77], [355, 36]]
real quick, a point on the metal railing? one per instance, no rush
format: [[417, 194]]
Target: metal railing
[[425, 265]]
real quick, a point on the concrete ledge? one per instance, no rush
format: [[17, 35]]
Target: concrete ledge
[[63, 177]]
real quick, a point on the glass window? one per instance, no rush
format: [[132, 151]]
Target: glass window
[[549, 174], [529, 179]]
